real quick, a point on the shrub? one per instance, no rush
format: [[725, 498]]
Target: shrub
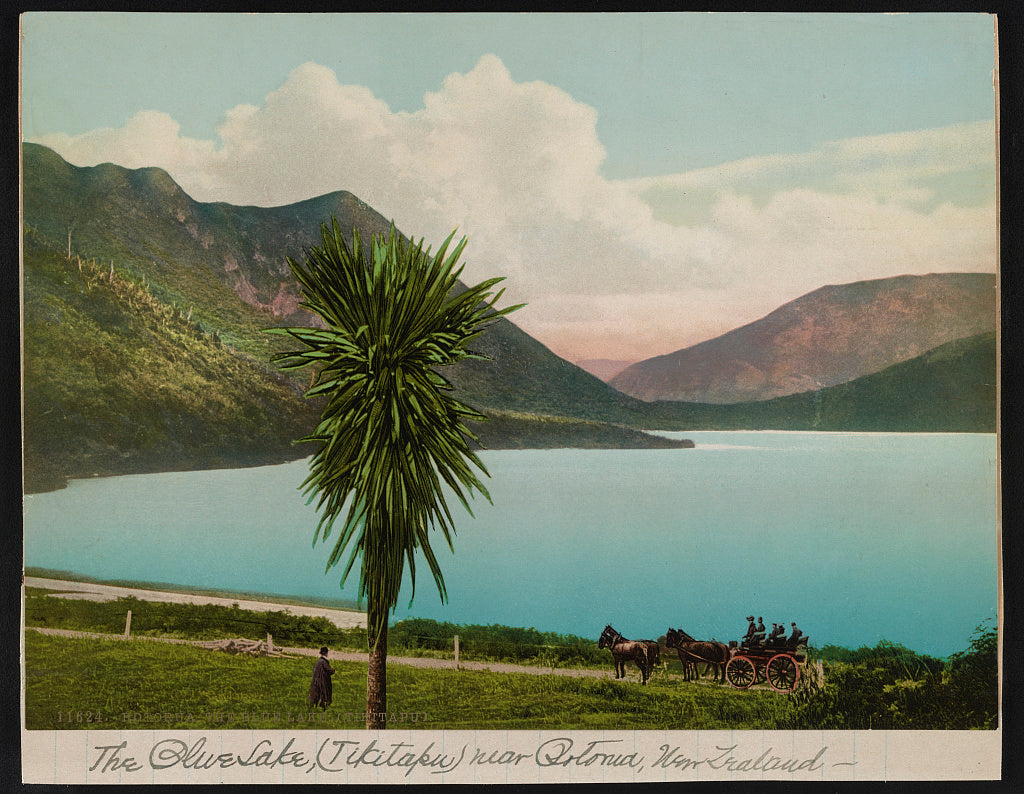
[[892, 687]]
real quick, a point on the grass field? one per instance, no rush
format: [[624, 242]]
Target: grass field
[[82, 683], [74, 683]]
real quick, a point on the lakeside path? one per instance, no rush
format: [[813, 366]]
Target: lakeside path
[[90, 591], [101, 592], [349, 656]]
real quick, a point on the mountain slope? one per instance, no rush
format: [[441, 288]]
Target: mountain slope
[[116, 382], [144, 349], [950, 389], [224, 261], [193, 253], [829, 336], [603, 368]]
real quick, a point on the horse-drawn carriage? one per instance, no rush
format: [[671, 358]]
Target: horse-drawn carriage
[[743, 664], [778, 663]]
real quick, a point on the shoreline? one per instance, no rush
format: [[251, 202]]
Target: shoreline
[[94, 591], [339, 604]]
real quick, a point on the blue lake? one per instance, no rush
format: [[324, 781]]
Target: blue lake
[[856, 537]]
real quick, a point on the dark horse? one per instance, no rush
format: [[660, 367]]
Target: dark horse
[[644, 653], [692, 651]]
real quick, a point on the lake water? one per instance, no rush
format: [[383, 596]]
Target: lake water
[[856, 537]]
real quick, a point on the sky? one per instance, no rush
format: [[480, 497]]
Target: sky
[[643, 181]]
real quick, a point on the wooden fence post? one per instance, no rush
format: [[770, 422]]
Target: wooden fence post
[[456, 651], [128, 625]]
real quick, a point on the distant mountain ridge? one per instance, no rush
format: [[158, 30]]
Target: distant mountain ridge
[[142, 219], [829, 336], [950, 389], [144, 348], [223, 261]]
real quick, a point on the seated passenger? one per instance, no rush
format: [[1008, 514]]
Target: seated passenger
[[757, 639], [751, 628]]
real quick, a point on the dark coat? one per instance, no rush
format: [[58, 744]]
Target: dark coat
[[320, 690]]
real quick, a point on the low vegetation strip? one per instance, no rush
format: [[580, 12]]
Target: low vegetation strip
[[212, 621]]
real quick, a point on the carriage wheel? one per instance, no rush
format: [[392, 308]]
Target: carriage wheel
[[783, 673], [740, 672]]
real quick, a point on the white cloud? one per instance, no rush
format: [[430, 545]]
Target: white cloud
[[874, 162], [148, 138], [625, 268]]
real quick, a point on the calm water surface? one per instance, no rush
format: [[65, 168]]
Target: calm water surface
[[856, 537]]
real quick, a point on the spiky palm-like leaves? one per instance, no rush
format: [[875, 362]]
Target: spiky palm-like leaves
[[393, 436]]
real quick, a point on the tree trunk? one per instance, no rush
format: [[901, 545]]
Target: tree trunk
[[377, 677]]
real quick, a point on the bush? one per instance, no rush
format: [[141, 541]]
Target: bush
[[494, 643], [196, 621], [891, 687]]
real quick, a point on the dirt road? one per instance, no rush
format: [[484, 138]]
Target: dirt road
[[345, 656], [341, 618]]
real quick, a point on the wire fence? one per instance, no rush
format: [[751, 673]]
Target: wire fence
[[283, 629], [414, 637]]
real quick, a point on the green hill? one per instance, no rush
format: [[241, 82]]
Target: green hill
[[143, 338], [228, 264], [115, 382]]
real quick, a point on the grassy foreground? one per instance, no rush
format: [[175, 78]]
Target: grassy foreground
[[140, 684], [74, 683]]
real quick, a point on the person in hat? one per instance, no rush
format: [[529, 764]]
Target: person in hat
[[751, 628], [794, 638], [320, 689], [758, 638]]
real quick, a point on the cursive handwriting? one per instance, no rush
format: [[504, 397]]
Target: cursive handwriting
[[434, 757], [174, 752], [398, 754], [558, 752], [672, 758]]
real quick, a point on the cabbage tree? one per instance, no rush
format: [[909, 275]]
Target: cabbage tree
[[394, 440]]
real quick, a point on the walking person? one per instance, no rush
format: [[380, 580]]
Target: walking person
[[320, 690]]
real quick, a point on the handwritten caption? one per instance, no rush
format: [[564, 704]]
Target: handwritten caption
[[331, 755]]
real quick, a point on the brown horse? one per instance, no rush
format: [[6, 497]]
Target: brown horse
[[691, 651], [643, 653]]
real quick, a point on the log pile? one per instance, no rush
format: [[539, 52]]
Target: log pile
[[250, 647]]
